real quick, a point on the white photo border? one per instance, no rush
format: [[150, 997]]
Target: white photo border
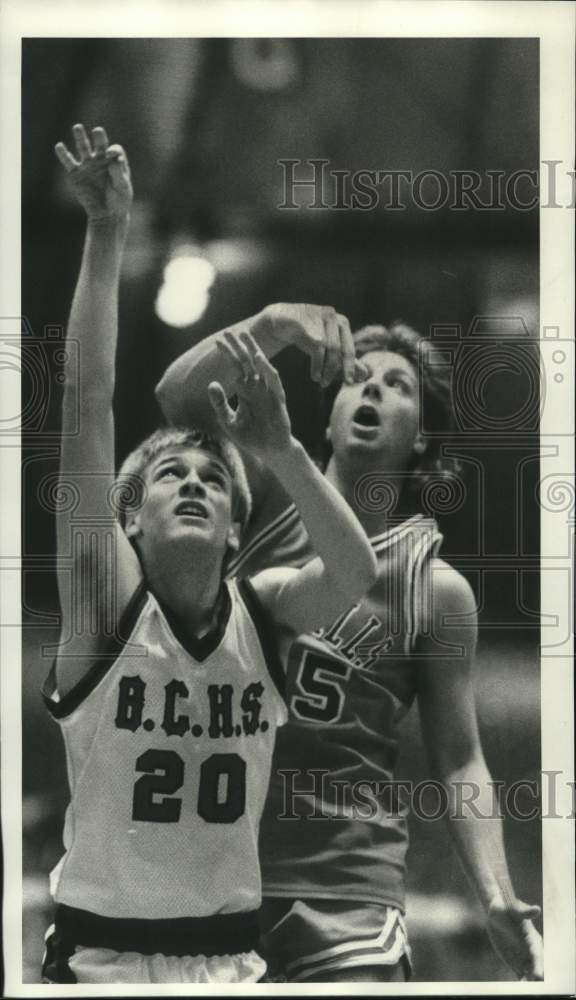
[[553, 23]]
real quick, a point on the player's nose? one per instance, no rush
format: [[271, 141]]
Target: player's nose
[[192, 485], [372, 391]]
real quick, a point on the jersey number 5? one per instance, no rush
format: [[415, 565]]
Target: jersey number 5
[[154, 800], [322, 696]]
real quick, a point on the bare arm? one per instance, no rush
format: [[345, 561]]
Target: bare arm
[[450, 731], [301, 599], [92, 592], [319, 331]]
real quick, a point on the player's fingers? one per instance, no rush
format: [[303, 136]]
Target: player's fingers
[[116, 152], [254, 353], [261, 368], [533, 967], [526, 911], [536, 947], [65, 157], [318, 350], [332, 357], [360, 371], [220, 405], [229, 347], [83, 148], [248, 342], [229, 352], [116, 171], [241, 354], [347, 352], [269, 376], [117, 163], [533, 970], [99, 140]]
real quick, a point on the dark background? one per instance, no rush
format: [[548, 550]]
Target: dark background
[[205, 123]]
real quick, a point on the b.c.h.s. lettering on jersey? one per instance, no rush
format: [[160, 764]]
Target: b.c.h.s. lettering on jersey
[[225, 712], [169, 760]]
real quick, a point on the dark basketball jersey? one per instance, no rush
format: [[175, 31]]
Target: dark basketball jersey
[[333, 824]]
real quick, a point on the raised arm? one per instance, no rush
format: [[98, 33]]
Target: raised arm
[[94, 586], [322, 333], [450, 730], [301, 599]]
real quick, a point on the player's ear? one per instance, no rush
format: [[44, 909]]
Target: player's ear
[[233, 538], [328, 435], [133, 528], [420, 444]]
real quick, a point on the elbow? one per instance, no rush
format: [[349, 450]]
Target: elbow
[[166, 393], [180, 400]]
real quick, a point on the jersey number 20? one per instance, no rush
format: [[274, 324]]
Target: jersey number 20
[[164, 775]]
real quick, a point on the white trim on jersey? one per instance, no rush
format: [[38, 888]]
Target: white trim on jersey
[[265, 536], [386, 538], [364, 951], [417, 597]]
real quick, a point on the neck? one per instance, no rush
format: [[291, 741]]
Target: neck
[[191, 598], [370, 492]]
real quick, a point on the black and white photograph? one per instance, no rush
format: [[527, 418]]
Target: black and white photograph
[[287, 443]]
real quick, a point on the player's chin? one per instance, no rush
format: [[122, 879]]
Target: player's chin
[[364, 442], [187, 526]]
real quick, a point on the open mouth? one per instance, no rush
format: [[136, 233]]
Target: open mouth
[[366, 416], [192, 508]]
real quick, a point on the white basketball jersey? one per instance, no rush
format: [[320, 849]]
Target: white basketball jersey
[[169, 751]]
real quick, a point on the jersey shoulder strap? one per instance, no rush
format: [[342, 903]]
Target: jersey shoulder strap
[[266, 631], [61, 707], [423, 542]]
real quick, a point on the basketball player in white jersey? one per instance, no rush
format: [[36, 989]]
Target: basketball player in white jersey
[[165, 684], [334, 837]]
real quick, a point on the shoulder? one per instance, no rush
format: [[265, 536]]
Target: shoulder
[[450, 590], [450, 612], [268, 585]]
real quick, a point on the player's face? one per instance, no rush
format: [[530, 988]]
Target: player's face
[[188, 499], [379, 419]]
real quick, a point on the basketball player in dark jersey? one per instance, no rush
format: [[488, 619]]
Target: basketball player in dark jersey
[[334, 838]]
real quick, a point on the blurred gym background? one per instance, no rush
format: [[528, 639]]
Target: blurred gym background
[[205, 123]]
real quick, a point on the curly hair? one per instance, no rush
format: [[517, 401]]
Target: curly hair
[[435, 393], [130, 477]]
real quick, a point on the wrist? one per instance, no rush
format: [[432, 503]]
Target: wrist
[[109, 223], [286, 458], [268, 332]]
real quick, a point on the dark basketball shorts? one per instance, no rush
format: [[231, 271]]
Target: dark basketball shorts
[[307, 937], [82, 947], [104, 965]]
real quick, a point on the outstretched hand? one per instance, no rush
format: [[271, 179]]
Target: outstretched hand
[[322, 333], [99, 175], [515, 938], [260, 423]]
